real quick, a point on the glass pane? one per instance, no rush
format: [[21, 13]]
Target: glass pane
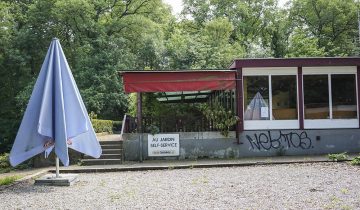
[[284, 96], [343, 96], [316, 97], [256, 96]]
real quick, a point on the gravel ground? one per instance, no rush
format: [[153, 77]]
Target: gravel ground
[[292, 186]]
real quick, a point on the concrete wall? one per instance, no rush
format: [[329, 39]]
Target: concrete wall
[[194, 145]]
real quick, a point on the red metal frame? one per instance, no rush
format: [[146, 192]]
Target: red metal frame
[[240, 103], [293, 62], [139, 124], [300, 98], [358, 89]]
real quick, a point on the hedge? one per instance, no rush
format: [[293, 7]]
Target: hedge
[[102, 125], [6, 167]]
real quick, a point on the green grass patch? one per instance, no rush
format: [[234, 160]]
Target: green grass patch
[[8, 180], [356, 161], [338, 157]]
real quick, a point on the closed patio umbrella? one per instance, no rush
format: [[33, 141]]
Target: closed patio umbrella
[[56, 116]]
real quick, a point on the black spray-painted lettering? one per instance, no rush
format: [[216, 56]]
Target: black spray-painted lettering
[[268, 140]]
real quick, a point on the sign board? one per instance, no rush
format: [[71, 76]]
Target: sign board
[[163, 145], [264, 112]]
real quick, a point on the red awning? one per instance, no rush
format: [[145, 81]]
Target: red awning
[[178, 81]]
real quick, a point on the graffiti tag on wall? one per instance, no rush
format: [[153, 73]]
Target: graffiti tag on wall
[[279, 139]]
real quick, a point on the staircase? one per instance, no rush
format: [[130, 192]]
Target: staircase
[[112, 152]]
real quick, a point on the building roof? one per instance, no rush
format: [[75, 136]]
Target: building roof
[[294, 62]]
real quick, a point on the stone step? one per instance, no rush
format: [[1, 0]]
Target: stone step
[[105, 156], [112, 151], [90, 162], [111, 146], [110, 142], [111, 154]]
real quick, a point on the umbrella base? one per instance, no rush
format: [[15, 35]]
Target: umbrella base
[[62, 180]]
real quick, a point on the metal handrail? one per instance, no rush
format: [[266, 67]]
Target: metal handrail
[[123, 127]]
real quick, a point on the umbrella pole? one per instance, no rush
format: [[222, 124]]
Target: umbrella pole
[[57, 167]]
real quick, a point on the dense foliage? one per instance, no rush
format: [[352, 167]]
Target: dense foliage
[[6, 167], [356, 161], [104, 36], [221, 118]]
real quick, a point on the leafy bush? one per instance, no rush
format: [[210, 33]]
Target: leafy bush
[[6, 167], [102, 125], [338, 157], [356, 161], [92, 115], [4, 162], [117, 125], [222, 119]]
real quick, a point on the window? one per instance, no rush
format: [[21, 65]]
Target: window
[[284, 97], [329, 94], [270, 98], [256, 98], [343, 91], [343, 96], [316, 97], [330, 97]]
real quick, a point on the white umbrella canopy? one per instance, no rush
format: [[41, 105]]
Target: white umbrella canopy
[[56, 116]]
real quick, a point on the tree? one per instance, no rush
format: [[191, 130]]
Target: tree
[[332, 23], [216, 49], [303, 45], [181, 50], [99, 38], [249, 18], [14, 74], [277, 32]]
